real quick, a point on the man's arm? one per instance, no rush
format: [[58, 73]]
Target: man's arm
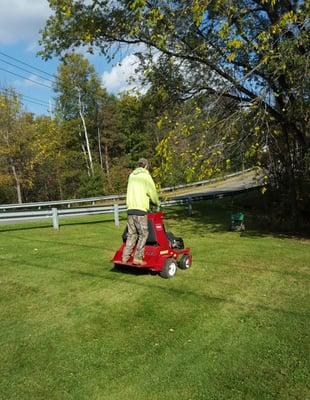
[[152, 192]]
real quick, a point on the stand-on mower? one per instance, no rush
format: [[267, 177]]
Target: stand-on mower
[[163, 251]]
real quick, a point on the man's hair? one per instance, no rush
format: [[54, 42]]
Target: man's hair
[[143, 162]]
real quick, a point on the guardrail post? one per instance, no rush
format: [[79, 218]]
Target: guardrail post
[[190, 207], [116, 215], [55, 218]]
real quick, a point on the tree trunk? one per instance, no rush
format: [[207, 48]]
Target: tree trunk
[[86, 159], [17, 185], [60, 189], [59, 184], [86, 136], [106, 158], [100, 151], [290, 172], [85, 156]]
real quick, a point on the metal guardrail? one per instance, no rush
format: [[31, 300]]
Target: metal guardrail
[[56, 214], [113, 198], [67, 203]]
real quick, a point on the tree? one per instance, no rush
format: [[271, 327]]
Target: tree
[[47, 146], [250, 51], [133, 127], [79, 97], [15, 144], [110, 138]]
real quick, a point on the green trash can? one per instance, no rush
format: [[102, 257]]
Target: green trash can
[[237, 222]]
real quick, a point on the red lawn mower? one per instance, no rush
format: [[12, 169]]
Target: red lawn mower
[[163, 251]]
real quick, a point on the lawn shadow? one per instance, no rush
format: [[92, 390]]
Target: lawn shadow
[[123, 269], [175, 292], [205, 217], [214, 216]]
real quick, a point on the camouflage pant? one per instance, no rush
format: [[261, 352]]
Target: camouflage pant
[[137, 230]]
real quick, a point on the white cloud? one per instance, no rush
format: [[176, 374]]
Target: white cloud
[[21, 20], [121, 76]]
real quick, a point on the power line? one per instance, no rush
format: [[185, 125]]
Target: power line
[[34, 102], [28, 79], [7, 91], [26, 70], [42, 102], [24, 63], [46, 106]]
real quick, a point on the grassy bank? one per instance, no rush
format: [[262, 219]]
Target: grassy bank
[[233, 327]]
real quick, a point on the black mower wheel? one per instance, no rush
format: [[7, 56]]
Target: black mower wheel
[[185, 262], [169, 268]]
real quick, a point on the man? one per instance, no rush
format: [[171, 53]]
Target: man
[[140, 191]]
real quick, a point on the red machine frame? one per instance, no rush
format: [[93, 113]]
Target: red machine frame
[[156, 255]]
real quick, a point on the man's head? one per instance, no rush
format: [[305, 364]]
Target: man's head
[[143, 163]]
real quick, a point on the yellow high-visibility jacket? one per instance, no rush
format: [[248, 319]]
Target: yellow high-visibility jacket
[[141, 190]]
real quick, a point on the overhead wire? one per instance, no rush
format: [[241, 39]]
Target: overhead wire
[[43, 102], [37, 104], [28, 79], [28, 65], [25, 70], [23, 97], [29, 99]]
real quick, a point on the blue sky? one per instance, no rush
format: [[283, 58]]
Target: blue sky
[[20, 23]]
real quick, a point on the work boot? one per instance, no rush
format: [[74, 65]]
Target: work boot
[[138, 261]]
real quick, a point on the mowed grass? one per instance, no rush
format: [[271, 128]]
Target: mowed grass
[[234, 326]]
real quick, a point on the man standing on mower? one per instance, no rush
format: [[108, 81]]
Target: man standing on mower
[[140, 191]]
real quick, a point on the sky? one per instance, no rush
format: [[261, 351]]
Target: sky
[[31, 76]]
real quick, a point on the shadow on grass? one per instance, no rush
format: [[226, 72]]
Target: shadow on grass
[[122, 269], [173, 291], [213, 216]]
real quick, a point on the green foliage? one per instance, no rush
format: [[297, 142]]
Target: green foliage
[[134, 127], [253, 53], [90, 186], [17, 152], [77, 78]]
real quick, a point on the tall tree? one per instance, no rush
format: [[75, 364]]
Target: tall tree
[[133, 127], [251, 51], [15, 143], [79, 96], [48, 146], [110, 139]]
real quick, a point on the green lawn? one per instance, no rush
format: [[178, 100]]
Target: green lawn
[[234, 326]]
